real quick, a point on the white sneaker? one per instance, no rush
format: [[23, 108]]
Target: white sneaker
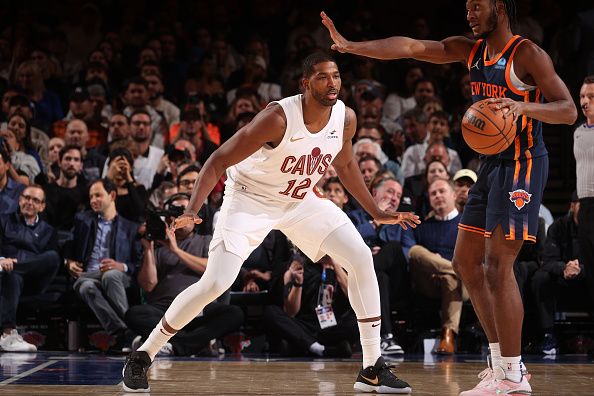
[[166, 350], [13, 342], [389, 346]]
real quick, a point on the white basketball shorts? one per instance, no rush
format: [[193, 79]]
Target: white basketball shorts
[[245, 219]]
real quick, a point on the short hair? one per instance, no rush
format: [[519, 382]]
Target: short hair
[[108, 185], [589, 79], [331, 180], [368, 157], [140, 111], [424, 80], [118, 113], [416, 114], [67, 148], [380, 181], [442, 115], [449, 182], [137, 80], [373, 125], [191, 168], [313, 59], [37, 186]]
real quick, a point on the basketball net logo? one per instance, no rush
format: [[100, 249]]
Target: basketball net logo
[[520, 198]]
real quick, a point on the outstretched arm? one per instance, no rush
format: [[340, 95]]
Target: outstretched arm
[[267, 127], [452, 49], [350, 176]]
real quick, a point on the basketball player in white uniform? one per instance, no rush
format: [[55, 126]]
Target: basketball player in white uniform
[[272, 165]]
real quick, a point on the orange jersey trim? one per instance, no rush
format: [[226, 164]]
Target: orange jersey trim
[[499, 55], [473, 52], [474, 230], [508, 69]]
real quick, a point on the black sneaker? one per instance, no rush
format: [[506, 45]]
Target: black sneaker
[[134, 372], [380, 379]]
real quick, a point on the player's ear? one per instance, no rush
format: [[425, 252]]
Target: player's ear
[[305, 83]]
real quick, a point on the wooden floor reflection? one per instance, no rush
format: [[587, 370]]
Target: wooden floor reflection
[[314, 378]]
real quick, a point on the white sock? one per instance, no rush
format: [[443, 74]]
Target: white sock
[[370, 341], [317, 348], [158, 337], [495, 354], [512, 366]]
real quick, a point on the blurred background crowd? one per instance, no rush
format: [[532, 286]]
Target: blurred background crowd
[[109, 109]]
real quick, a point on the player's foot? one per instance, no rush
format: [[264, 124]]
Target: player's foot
[[486, 378], [135, 372], [380, 379], [507, 387], [499, 385], [390, 346]]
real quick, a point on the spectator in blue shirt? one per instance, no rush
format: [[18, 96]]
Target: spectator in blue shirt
[[28, 256], [431, 260], [102, 257]]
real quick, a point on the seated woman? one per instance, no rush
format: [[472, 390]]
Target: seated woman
[[21, 160], [131, 197]]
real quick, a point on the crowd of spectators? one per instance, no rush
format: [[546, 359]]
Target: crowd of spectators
[[108, 114]]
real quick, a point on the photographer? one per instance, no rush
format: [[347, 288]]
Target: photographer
[[167, 270], [101, 257], [131, 198], [313, 315]]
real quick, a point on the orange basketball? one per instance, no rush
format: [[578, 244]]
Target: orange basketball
[[485, 130]]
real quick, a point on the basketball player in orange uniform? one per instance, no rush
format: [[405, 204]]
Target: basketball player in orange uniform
[[273, 165], [502, 208]]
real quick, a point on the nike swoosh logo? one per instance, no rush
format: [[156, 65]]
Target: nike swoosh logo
[[375, 325], [374, 381], [295, 139]]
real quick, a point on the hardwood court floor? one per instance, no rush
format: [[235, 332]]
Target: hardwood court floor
[[96, 375]]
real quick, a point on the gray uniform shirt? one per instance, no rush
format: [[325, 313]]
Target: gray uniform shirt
[[583, 150]]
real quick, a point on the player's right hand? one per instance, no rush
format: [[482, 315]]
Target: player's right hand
[[340, 43], [185, 220]]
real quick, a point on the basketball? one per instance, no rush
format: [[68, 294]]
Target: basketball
[[485, 129]]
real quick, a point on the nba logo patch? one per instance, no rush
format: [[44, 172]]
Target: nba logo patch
[[520, 198]]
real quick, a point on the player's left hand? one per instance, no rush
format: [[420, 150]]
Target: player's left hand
[[404, 219], [509, 107], [340, 43], [185, 220]]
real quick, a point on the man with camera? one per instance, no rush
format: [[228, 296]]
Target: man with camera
[[101, 257], [178, 261]]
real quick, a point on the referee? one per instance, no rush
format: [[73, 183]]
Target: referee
[[583, 149]]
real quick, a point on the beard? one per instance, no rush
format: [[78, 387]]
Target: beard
[[69, 174], [491, 26], [322, 99], [140, 139]]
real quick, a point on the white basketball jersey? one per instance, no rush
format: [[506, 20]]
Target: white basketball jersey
[[289, 171]]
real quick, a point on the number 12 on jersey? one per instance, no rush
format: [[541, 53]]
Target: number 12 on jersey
[[297, 192]]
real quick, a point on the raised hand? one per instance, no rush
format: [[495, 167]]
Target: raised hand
[[340, 43]]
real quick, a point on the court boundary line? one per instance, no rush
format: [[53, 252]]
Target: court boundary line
[[28, 372]]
